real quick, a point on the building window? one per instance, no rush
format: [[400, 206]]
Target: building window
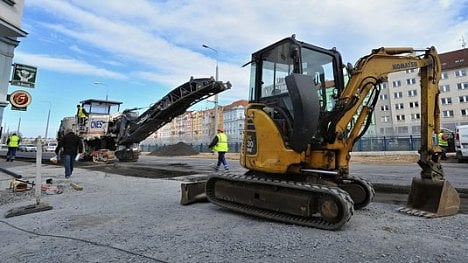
[[460, 73], [397, 95], [400, 117], [444, 88], [396, 84], [402, 129], [385, 118], [415, 116], [412, 93], [411, 81], [383, 96], [414, 104], [463, 98], [446, 101], [399, 106], [444, 75], [384, 108], [383, 85], [461, 86], [447, 113], [409, 71], [464, 112]]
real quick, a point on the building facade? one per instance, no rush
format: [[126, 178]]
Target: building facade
[[197, 127], [11, 12], [398, 112]]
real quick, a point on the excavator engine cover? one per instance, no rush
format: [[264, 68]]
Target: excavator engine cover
[[432, 198]]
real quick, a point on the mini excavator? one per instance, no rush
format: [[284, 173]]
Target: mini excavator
[[306, 111]]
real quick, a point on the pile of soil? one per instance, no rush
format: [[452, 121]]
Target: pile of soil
[[179, 149]]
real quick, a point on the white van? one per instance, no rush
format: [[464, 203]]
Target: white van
[[461, 142]]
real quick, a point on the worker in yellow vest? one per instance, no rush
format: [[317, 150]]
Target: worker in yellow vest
[[81, 114], [12, 143], [220, 144], [442, 141]]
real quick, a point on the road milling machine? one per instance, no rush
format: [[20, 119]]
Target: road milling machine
[[306, 111], [108, 133]]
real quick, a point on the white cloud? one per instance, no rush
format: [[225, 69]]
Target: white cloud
[[163, 39], [65, 65]]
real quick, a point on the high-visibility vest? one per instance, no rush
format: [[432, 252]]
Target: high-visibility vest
[[13, 141], [222, 145], [81, 113], [441, 140]]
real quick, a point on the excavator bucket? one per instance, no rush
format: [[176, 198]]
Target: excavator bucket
[[432, 198]]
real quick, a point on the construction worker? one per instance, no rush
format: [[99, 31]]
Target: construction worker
[[220, 144], [442, 141], [12, 143], [81, 114], [70, 145]]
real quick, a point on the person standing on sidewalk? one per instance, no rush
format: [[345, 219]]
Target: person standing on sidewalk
[[12, 143], [220, 144], [71, 145]]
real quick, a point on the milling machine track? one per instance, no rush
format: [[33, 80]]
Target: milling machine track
[[293, 202]]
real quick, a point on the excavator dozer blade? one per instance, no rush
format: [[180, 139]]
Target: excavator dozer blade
[[432, 198], [193, 192]]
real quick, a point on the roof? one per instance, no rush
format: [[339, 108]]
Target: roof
[[454, 59], [95, 101]]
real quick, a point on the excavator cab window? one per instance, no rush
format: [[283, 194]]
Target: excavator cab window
[[300, 103]]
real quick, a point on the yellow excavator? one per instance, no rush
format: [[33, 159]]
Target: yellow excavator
[[306, 111]]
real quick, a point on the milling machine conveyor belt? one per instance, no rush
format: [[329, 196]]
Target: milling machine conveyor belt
[[170, 106], [311, 205]]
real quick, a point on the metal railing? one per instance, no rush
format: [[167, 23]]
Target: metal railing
[[365, 144]]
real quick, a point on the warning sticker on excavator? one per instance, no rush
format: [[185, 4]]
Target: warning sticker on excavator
[[251, 142]]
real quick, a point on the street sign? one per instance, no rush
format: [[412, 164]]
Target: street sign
[[23, 75], [19, 100]]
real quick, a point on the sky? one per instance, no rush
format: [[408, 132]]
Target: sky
[[140, 50]]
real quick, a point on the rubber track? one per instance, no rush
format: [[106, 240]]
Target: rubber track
[[316, 222]]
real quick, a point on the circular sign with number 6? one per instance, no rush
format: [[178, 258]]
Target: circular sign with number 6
[[20, 99]]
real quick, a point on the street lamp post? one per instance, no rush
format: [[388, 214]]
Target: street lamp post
[[19, 124], [216, 95], [105, 85], [47, 125]]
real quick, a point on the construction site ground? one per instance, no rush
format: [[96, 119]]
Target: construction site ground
[[130, 212]]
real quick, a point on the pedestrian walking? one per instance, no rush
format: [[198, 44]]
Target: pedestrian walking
[[12, 143], [220, 144], [70, 145]]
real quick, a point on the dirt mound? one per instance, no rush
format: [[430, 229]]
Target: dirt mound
[[179, 149]]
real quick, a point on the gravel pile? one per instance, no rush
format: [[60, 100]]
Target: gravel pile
[[179, 149]]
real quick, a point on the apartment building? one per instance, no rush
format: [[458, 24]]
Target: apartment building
[[10, 30], [398, 112], [197, 127]]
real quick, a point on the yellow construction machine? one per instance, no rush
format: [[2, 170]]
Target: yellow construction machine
[[306, 112]]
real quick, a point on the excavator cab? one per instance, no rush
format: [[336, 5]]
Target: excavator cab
[[298, 83]]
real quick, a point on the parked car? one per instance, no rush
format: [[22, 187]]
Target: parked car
[[50, 146], [27, 148]]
